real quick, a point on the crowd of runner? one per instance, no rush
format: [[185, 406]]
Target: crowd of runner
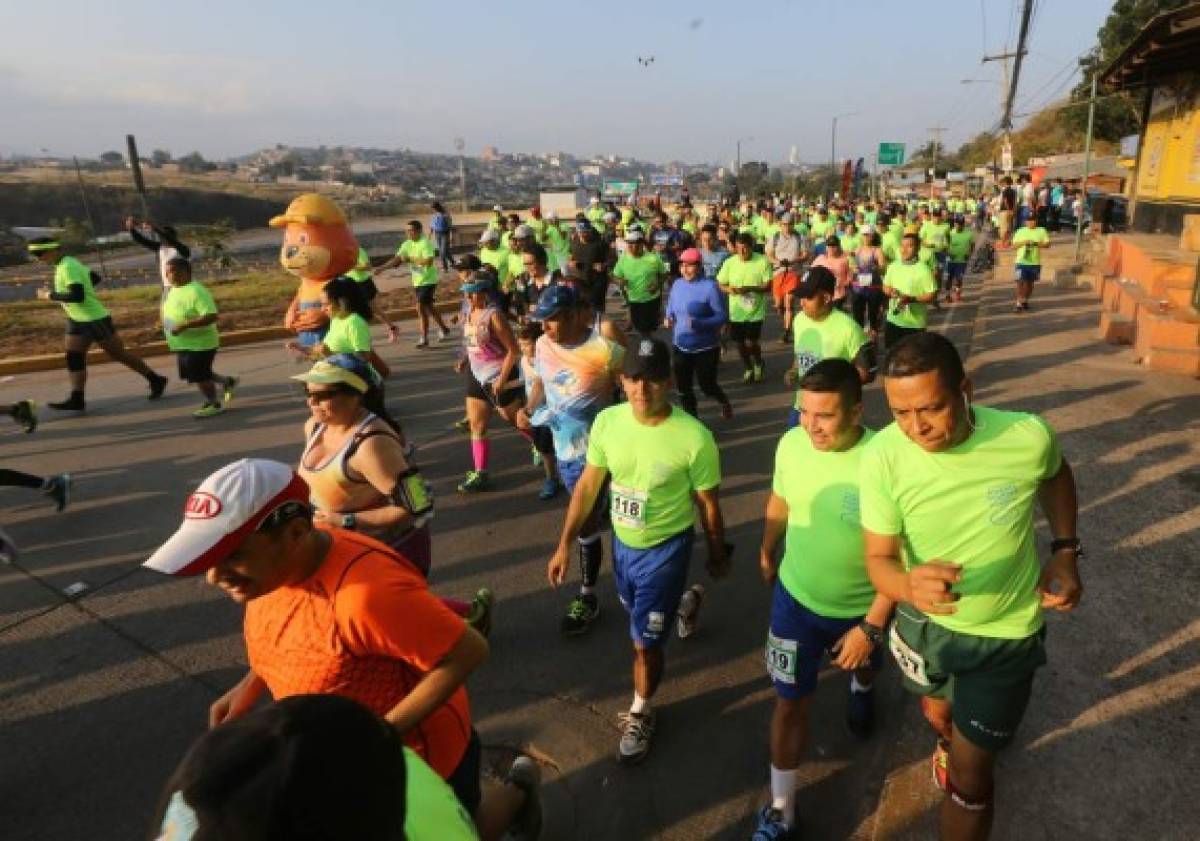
[[588, 337]]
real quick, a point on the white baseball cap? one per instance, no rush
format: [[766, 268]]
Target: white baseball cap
[[497, 208], [634, 234], [489, 235], [228, 506]]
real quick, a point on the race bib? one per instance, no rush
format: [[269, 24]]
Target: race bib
[[863, 279], [628, 506], [909, 661], [748, 300], [781, 659], [471, 335]]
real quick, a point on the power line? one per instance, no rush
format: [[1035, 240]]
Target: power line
[[1022, 37]]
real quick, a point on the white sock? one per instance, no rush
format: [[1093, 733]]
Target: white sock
[[639, 705], [855, 686], [585, 590], [783, 792]]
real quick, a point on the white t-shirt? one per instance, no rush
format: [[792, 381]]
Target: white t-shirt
[[166, 254]]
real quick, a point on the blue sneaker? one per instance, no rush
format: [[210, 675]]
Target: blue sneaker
[[549, 489], [771, 826], [860, 713]]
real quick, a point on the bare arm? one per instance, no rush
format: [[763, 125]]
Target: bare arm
[[433, 690], [774, 527], [1060, 584], [714, 531], [380, 460], [502, 330]]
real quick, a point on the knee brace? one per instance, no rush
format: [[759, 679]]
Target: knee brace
[[76, 360]]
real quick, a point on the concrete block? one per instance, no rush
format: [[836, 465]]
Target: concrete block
[[1174, 361], [1189, 238], [1116, 329]]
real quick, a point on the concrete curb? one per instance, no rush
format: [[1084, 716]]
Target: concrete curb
[[232, 338]]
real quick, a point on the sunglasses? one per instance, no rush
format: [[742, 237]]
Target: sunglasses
[[322, 396]]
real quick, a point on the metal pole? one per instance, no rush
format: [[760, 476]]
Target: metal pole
[[832, 158], [1087, 165], [738, 169], [462, 180], [88, 212]]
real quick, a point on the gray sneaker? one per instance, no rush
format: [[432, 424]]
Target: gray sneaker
[[635, 740], [688, 615], [527, 776]]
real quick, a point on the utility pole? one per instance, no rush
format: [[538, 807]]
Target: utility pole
[[1087, 165], [935, 141], [1009, 93]]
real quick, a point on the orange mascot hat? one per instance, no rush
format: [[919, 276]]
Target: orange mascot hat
[[318, 244]]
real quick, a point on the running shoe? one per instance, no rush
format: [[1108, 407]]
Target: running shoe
[[477, 480], [688, 615], [638, 730], [58, 488], [758, 372], [231, 383], [549, 489], [445, 334], [157, 386], [423, 342], [479, 615], [25, 414], [748, 377], [860, 713], [526, 775], [463, 424], [8, 549], [537, 457], [1017, 307], [208, 410], [771, 826], [583, 610], [940, 764], [71, 404]]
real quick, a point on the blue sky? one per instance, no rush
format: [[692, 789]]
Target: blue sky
[[229, 77]]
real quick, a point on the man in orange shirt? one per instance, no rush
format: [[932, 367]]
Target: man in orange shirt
[[330, 611]]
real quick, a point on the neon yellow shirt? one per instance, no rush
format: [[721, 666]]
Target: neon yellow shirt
[[837, 336], [69, 271], [654, 471], [971, 505], [187, 303], [642, 275], [432, 810], [362, 267], [420, 249], [348, 334], [912, 279], [736, 272], [824, 564], [497, 258], [1028, 242], [960, 245]]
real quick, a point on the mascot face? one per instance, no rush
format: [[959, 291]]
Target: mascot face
[[318, 252], [317, 241]]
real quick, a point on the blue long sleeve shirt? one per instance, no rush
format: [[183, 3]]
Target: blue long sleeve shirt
[[697, 309]]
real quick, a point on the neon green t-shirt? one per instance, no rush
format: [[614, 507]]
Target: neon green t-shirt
[[362, 267], [935, 235], [348, 334], [420, 249], [654, 471], [821, 228], [557, 250], [889, 243], [837, 336], [736, 272], [516, 268], [432, 810], [539, 229], [960, 245], [69, 271], [824, 563], [1028, 242], [497, 258], [764, 230], [186, 303], [642, 275], [972, 505], [913, 279], [850, 243]]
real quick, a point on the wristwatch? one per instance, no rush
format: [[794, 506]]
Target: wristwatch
[[348, 521], [1072, 543], [872, 632]]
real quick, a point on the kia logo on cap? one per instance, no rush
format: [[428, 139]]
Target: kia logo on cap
[[201, 506]]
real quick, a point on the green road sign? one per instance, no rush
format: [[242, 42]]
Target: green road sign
[[621, 188], [891, 154]]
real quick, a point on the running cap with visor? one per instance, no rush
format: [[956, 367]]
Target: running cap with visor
[[228, 507], [339, 369], [634, 234], [554, 299], [647, 358], [818, 279], [691, 255], [37, 246], [480, 281], [489, 235]]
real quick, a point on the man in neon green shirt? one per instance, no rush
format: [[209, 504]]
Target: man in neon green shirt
[[948, 495], [418, 252], [822, 332], [958, 251], [910, 288], [935, 237], [746, 279], [823, 599], [189, 319], [1027, 265], [87, 321], [495, 255], [641, 274], [663, 465], [362, 274]]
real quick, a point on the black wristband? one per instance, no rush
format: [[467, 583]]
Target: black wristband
[[1073, 543]]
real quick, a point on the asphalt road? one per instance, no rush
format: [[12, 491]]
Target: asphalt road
[[103, 692]]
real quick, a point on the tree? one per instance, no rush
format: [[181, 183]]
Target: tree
[[112, 158], [159, 157], [193, 162], [1120, 115]]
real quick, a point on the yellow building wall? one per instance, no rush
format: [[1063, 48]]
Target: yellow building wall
[[1170, 166]]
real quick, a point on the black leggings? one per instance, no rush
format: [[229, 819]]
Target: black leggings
[[702, 366], [868, 307], [17, 479]]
